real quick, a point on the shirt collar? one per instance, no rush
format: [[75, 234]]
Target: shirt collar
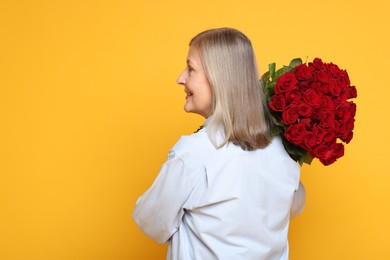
[[207, 122]]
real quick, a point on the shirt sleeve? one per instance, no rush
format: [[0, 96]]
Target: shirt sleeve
[[158, 211], [298, 203]]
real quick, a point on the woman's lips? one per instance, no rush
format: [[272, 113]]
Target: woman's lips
[[188, 94]]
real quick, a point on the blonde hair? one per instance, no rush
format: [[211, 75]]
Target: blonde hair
[[239, 105]]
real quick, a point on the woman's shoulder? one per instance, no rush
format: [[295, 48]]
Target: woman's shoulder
[[197, 149], [194, 148], [195, 142]]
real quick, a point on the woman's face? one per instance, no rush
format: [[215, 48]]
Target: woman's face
[[198, 91]]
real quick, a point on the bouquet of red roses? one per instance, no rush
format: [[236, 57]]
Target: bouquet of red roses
[[310, 109]]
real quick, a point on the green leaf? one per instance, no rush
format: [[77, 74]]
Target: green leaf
[[301, 160], [308, 158], [265, 77], [271, 85], [296, 153], [295, 62], [277, 119], [271, 68], [275, 131], [287, 69], [279, 73]]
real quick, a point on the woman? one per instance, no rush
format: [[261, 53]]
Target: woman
[[229, 190]]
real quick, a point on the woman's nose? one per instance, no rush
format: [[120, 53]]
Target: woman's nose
[[181, 80]]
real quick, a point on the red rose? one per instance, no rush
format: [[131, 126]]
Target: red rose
[[349, 110], [330, 136], [304, 110], [292, 97], [328, 121], [329, 154], [350, 124], [278, 103], [323, 153], [307, 122], [312, 98], [352, 108], [317, 64], [311, 67], [343, 79], [327, 103], [295, 133], [347, 115], [340, 127], [351, 92], [334, 88], [290, 115], [333, 69], [341, 98], [340, 111], [321, 76], [337, 151], [302, 85], [310, 141], [302, 72], [319, 133], [326, 117], [347, 137], [323, 88], [315, 86], [286, 82]]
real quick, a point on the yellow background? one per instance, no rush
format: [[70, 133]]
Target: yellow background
[[89, 108]]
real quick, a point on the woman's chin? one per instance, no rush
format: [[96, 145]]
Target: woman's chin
[[188, 108]]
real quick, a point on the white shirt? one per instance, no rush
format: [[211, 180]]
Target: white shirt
[[223, 203]]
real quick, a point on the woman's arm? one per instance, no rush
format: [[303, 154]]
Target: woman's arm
[[158, 211], [298, 203]]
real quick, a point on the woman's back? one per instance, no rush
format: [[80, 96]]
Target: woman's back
[[240, 202]]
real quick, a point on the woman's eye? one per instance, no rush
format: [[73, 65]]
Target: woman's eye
[[190, 69]]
